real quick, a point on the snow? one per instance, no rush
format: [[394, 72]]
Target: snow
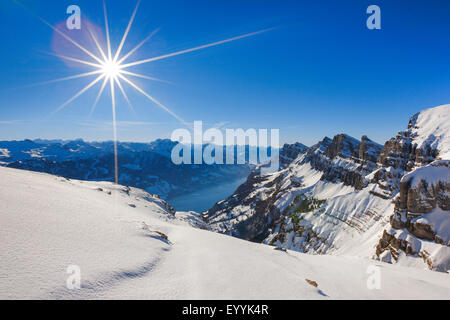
[[433, 125], [48, 223], [433, 173], [439, 220], [438, 253], [350, 222]]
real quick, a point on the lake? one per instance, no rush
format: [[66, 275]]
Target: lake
[[203, 199]]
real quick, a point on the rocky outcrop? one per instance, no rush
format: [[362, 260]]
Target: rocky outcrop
[[290, 152], [395, 158], [252, 214], [361, 187], [419, 145], [368, 151], [422, 212], [294, 232], [414, 171], [252, 210], [343, 146], [248, 214], [345, 159]]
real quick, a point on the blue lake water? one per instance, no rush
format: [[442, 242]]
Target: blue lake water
[[203, 199]]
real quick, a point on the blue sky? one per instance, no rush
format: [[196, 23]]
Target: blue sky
[[319, 72]]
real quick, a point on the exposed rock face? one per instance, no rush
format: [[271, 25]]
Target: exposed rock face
[[415, 147], [368, 151], [290, 152], [252, 226], [408, 166], [343, 146], [345, 159], [422, 212], [365, 151], [425, 196], [253, 208], [394, 160], [343, 195], [295, 232], [389, 242]]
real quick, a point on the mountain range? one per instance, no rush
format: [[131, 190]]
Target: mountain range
[[142, 165], [342, 196], [354, 197]]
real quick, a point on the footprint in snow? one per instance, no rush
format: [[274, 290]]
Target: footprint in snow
[[156, 234]]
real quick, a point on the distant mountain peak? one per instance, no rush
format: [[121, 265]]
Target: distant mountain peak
[[290, 152], [322, 144], [342, 145]]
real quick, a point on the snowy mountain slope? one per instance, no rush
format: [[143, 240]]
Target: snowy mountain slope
[[426, 139], [330, 170], [338, 197], [58, 150], [116, 236], [413, 170], [431, 129], [420, 225]]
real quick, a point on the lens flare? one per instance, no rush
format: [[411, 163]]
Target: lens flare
[[110, 67]]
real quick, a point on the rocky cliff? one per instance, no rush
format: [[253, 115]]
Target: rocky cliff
[[420, 224], [343, 195], [260, 204]]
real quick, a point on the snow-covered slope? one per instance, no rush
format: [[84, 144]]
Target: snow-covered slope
[[431, 129], [344, 196], [420, 225], [414, 171], [318, 204], [117, 237]]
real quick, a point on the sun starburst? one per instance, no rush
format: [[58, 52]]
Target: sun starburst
[[110, 68]]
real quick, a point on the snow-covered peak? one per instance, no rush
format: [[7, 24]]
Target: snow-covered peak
[[321, 145], [431, 127]]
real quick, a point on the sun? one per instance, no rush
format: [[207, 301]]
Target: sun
[[110, 69], [110, 66]]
